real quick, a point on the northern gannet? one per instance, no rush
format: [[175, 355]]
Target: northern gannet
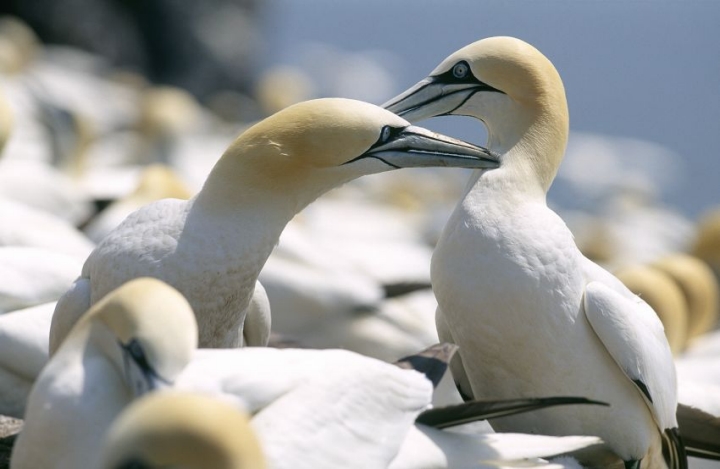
[[176, 429], [530, 313], [136, 339], [213, 247]]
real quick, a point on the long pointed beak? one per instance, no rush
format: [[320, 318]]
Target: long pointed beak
[[417, 147], [433, 97]]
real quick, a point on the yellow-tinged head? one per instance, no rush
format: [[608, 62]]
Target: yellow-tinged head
[[159, 181], [510, 86], [310, 147], [153, 325], [181, 430], [707, 244], [699, 286]]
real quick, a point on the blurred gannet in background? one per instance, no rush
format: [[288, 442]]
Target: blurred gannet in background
[[213, 247], [530, 313], [612, 188], [27, 226], [23, 354], [156, 182], [706, 245], [173, 429], [31, 276], [699, 287], [136, 339]]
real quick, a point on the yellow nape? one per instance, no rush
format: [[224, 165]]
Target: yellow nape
[[174, 429], [316, 134]]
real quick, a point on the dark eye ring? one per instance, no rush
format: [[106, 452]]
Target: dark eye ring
[[460, 70]]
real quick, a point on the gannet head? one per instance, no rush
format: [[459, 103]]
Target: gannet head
[[313, 146], [699, 287], [174, 429], [507, 84], [159, 181], [148, 328]]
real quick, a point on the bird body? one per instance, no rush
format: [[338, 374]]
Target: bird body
[[527, 282], [23, 354]]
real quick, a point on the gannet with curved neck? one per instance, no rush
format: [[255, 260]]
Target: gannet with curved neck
[[213, 247], [531, 314], [178, 429], [136, 339]]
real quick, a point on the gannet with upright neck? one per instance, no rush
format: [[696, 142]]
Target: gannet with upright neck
[[531, 314], [213, 247]]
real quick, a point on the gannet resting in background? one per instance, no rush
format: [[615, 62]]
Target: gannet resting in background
[[24, 225], [707, 242], [23, 354], [155, 182], [31, 276], [700, 287], [136, 339], [212, 247], [174, 429], [664, 296], [530, 313]]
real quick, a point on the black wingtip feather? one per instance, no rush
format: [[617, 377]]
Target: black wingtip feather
[[432, 362], [460, 414]]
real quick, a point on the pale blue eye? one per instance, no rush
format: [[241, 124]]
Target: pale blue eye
[[460, 70]]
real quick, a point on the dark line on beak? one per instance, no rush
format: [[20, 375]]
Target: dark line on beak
[[371, 156]]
